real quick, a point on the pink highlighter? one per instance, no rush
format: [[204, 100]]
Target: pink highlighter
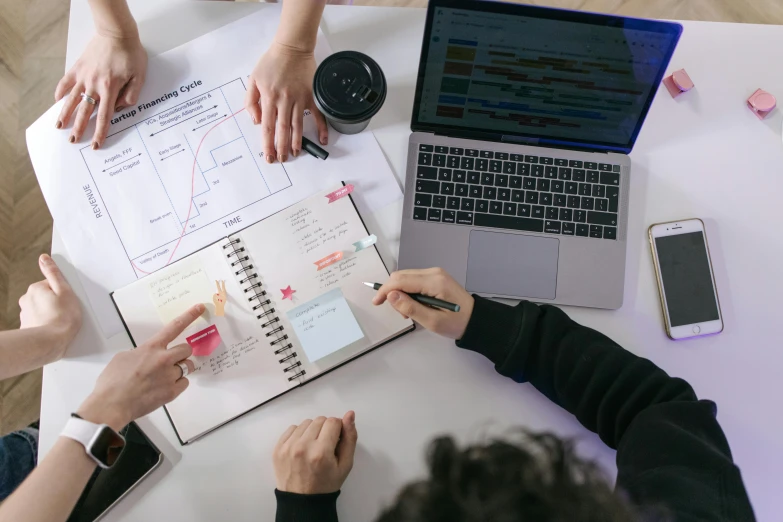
[[678, 83]]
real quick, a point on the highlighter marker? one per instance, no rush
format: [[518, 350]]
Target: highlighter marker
[[313, 149]]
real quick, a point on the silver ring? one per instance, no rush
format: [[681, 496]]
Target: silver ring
[[89, 99], [184, 368]]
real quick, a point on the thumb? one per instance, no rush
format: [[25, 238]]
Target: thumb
[[346, 448], [409, 308], [52, 273]]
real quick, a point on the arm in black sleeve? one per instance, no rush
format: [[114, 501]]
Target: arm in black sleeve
[[670, 447], [293, 507]]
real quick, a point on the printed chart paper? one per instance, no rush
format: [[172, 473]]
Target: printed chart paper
[[184, 166]]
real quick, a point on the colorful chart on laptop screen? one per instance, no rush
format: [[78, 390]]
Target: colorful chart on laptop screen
[[550, 78]]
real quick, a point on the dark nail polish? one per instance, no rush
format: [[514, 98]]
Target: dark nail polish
[[296, 153], [59, 124], [118, 108], [72, 139], [324, 141], [94, 145], [270, 158], [283, 158]]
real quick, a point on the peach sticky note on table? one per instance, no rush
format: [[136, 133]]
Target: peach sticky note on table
[[762, 103], [205, 341], [678, 83]]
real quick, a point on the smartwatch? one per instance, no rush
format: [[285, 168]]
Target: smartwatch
[[102, 444]]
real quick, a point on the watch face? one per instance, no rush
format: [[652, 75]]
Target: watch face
[[107, 446]]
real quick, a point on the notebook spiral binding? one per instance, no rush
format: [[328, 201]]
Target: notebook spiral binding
[[242, 266]]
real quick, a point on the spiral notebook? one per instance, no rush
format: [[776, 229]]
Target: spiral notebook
[[285, 304]]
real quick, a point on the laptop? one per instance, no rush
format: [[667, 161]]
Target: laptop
[[518, 173]]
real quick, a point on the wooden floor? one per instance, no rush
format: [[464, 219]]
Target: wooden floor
[[32, 56]]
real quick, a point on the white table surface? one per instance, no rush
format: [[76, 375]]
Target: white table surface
[[703, 155]]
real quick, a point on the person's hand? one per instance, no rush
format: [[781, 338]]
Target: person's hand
[[139, 381], [112, 71], [434, 282], [316, 456], [283, 81], [52, 305]]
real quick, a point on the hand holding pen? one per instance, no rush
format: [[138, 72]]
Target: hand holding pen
[[453, 305]]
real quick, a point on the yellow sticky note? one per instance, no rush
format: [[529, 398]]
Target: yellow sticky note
[[174, 290]]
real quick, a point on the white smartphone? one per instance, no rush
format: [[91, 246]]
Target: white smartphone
[[686, 282]]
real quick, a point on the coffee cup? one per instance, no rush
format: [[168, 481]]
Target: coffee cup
[[349, 88]]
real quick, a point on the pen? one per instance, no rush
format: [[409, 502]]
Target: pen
[[424, 299], [313, 149]]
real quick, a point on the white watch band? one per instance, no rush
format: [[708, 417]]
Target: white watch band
[[84, 432], [81, 431]]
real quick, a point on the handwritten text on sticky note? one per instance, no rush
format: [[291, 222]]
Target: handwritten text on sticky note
[[325, 324], [175, 289]]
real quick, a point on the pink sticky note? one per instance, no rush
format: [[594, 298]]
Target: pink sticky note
[[328, 260], [678, 83], [762, 103], [205, 341], [337, 194]]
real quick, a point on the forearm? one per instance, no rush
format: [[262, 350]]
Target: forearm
[[580, 369], [299, 21], [113, 18], [25, 350], [53, 488]]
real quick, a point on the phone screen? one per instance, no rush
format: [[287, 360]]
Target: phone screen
[[106, 486], [687, 279]]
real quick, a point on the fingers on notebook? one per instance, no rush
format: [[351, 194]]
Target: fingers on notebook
[[172, 330], [179, 352]]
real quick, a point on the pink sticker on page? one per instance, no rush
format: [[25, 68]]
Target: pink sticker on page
[[328, 260], [205, 341], [337, 194]]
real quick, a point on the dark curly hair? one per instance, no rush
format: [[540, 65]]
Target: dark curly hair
[[536, 478]]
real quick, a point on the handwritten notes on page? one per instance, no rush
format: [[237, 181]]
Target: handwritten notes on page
[[335, 273], [175, 289], [226, 358], [325, 324]]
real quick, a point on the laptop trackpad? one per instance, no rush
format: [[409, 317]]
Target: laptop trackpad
[[512, 265]]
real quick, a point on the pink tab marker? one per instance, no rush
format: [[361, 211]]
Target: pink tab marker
[[678, 83], [337, 194], [762, 103], [288, 293], [205, 341], [328, 260]]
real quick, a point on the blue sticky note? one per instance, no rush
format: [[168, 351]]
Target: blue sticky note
[[325, 324]]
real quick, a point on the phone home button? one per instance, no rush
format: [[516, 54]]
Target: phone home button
[[696, 329]]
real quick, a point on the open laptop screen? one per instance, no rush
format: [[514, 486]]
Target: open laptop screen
[[511, 72]]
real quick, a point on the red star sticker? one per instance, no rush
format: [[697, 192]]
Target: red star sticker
[[288, 293]]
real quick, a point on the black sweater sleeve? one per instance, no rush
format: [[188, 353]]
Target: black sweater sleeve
[[671, 451], [293, 507]]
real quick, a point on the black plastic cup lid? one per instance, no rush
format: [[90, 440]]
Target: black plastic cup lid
[[349, 86]]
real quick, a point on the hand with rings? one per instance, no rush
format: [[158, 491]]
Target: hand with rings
[[139, 381], [109, 76]]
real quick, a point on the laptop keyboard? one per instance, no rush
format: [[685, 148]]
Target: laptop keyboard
[[517, 192]]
